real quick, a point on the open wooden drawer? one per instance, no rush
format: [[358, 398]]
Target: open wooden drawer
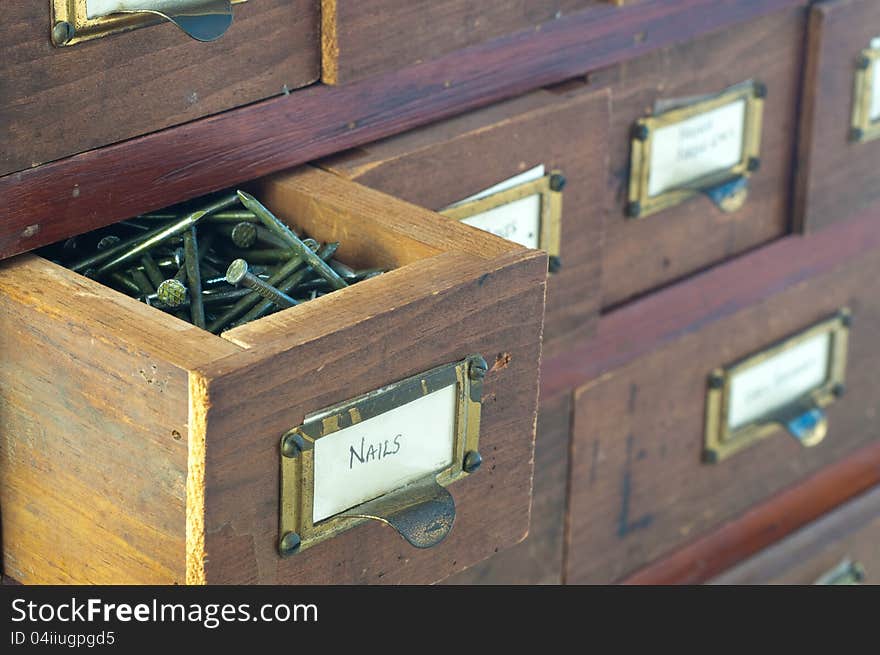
[[140, 449]]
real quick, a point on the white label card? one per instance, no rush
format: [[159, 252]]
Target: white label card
[[98, 8], [691, 149], [778, 381], [518, 221], [384, 453]]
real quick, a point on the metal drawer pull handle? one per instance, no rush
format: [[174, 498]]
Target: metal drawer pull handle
[[76, 21], [203, 20], [848, 572]]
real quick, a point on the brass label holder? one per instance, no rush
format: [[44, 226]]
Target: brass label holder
[[203, 20], [727, 189], [423, 511], [863, 127], [548, 187], [803, 418]]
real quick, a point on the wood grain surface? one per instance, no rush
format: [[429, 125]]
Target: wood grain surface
[[362, 38], [642, 255], [56, 102], [638, 487], [93, 413], [837, 178], [851, 532], [538, 559], [563, 128], [83, 192]]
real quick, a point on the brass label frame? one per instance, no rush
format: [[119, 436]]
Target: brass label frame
[[297, 485], [74, 13], [550, 238], [863, 128], [721, 442], [640, 203]]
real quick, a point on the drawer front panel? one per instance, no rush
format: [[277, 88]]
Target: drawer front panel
[[538, 559], [837, 167], [840, 548], [564, 129], [59, 101], [691, 233], [640, 486], [363, 38]]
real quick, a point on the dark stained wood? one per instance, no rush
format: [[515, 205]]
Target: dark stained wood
[[93, 413], [767, 523], [468, 299], [836, 177], [155, 444], [652, 322], [641, 255], [83, 192], [56, 102], [638, 487], [538, 559], [362, 38], [564, 128], [850, 532]]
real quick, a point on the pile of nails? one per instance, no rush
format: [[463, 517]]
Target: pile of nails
[[222, 264]]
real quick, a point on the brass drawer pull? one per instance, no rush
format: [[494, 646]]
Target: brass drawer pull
[[848, 572], [74, 21]]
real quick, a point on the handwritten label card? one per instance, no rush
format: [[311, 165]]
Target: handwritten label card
[[518, 221], [384, 453], [694, 148], [778, 381]]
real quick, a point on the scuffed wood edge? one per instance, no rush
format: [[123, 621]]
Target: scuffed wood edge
[[195, 480], [329, 43]]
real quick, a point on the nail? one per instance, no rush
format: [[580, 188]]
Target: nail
[[172, 293], [126, 282], [152, 270], [293, 241], [243, 235], [194, 277], [108, 242], [288, 284], [238, 275], [209, 299], [345, 272], [252, 299], [142, 281], [152, 239], [233, 217], [269, 238]]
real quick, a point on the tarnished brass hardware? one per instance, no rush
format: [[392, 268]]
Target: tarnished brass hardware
[[75, 21], [848, 572], [865, 123], [422, 511], [642, 203], [803, 417], [549, 188]]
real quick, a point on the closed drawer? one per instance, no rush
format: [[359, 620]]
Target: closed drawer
[[139, 448], [688, 432], [58, 101], [364, 38], [840, 548], [538, 559], [839, 145], [701, 152], [553, 139]]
